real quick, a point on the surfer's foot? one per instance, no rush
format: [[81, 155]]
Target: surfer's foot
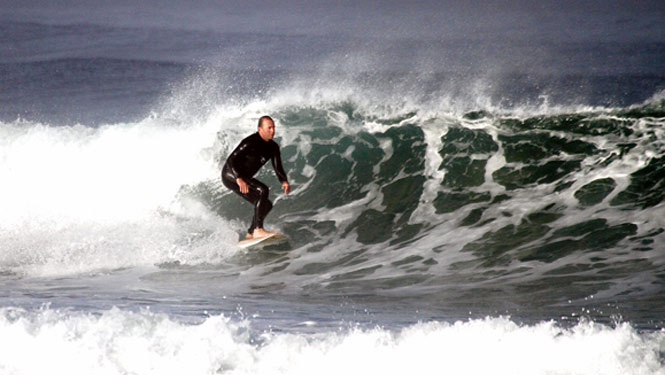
[[260, 232], [249, 236]]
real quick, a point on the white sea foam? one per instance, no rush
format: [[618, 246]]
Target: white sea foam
[[100, 174], [122, 342], [76, 199]]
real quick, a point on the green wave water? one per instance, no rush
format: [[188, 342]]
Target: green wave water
[[481, 205]]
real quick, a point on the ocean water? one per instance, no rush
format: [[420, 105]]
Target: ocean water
[[475, 188]]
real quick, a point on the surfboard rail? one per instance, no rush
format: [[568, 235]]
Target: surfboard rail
[[276, 237]]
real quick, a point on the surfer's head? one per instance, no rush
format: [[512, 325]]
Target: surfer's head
[[266, 128]]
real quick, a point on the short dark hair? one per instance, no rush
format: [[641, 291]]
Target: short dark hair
[[264, 118]]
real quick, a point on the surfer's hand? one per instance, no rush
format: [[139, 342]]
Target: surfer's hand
[[242, 185], [286, 187]]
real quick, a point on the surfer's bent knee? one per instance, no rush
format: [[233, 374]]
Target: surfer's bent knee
[[263, 190]]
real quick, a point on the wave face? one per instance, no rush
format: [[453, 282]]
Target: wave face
[[563, 204], [547, 204]]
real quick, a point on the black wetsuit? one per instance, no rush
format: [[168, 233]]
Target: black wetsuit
[[250, 155]]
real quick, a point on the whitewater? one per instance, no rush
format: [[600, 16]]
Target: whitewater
[[117, 243], [475, 189], [145, 343]]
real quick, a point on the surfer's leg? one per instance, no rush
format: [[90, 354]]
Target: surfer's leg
[[230, 181], [259, 194], [252, 196]]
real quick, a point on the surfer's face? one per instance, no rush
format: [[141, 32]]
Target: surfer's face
[[267, 130]]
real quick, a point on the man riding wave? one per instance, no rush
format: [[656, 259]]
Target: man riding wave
[[244, 162]]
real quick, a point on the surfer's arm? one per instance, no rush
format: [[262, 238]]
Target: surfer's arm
[[277, 166], [279, 170]]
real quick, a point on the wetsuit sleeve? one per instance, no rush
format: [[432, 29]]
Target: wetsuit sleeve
[[277, 165], [233, 160]]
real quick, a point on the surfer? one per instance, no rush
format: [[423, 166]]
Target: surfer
[[244, 162]]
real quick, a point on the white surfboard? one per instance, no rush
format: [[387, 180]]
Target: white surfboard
[[267, 240]]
